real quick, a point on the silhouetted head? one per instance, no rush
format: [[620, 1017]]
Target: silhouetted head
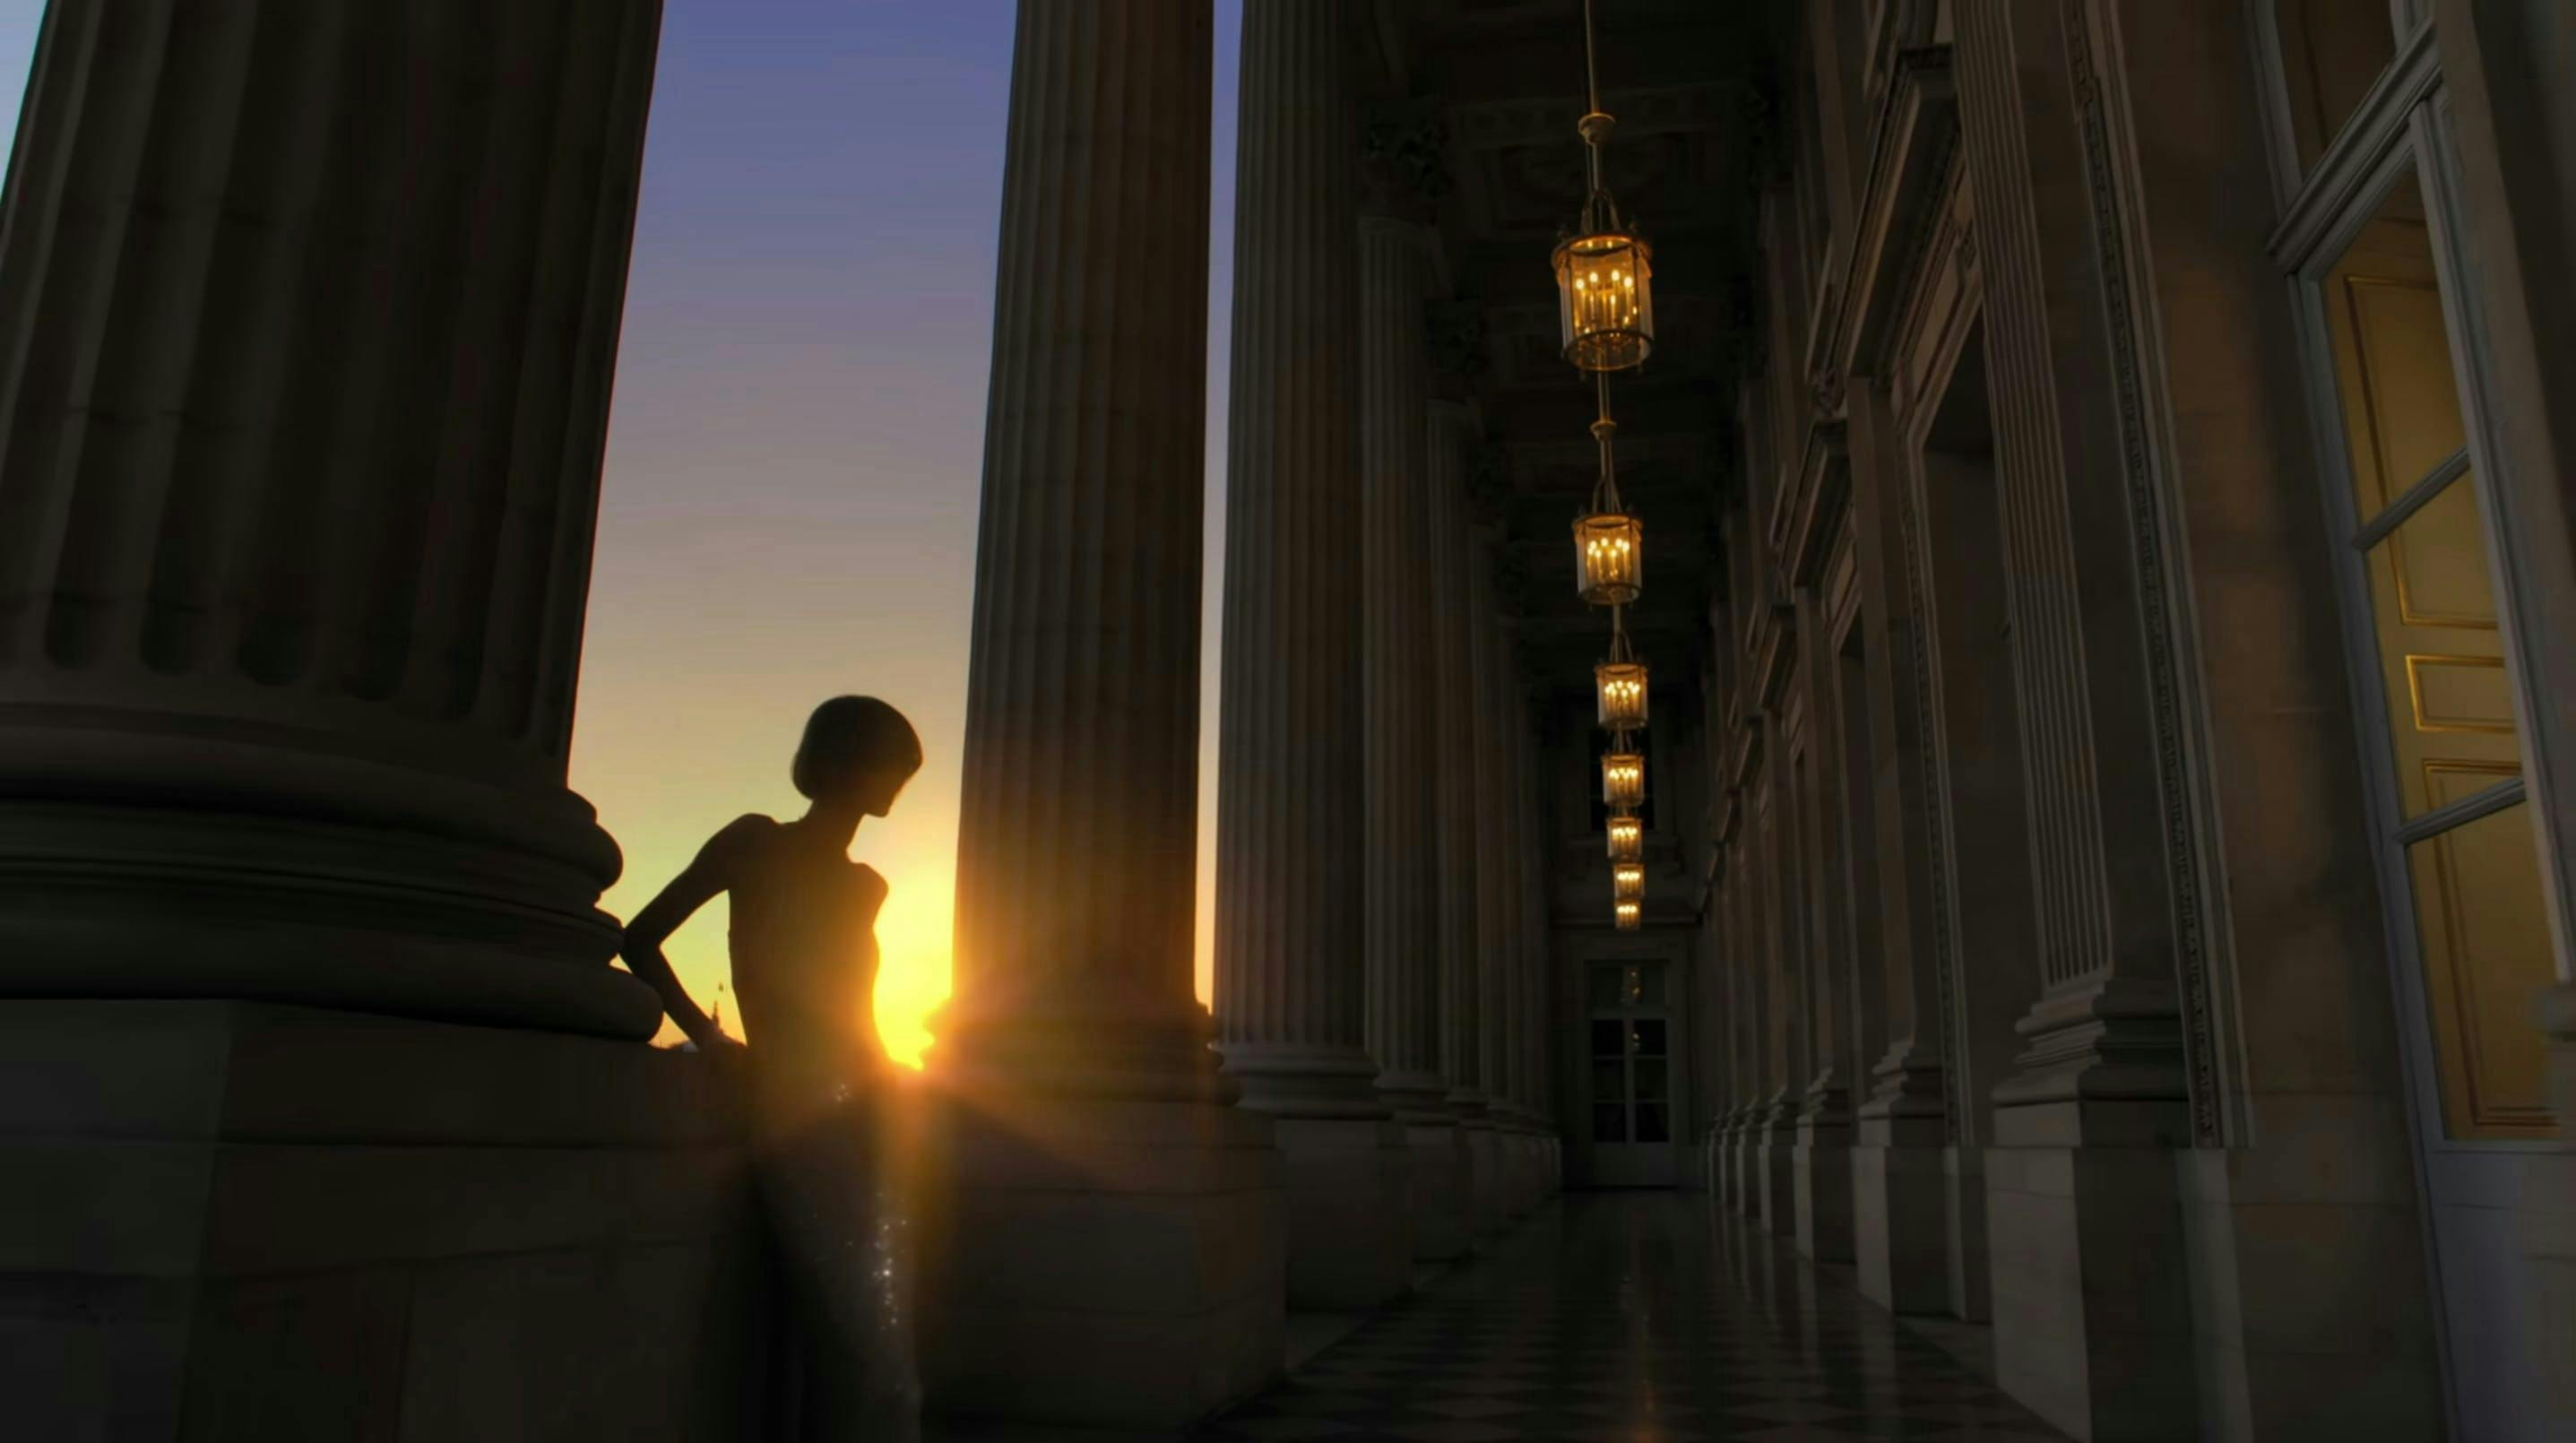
[[857, 749]]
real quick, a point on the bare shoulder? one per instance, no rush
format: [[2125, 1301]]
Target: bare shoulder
[[736, 840]]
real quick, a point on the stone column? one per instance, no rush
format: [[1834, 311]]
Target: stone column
[[1483, 742], [1291, 940], [1403, 884], [1512, 961], [299, 461], [308, 318], [1536, 970], [1452, 667], [1112, 1255]]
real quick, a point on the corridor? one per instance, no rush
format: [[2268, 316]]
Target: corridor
[[1627, 1316]]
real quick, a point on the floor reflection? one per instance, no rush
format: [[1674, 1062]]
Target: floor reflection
[[1633, 1318]]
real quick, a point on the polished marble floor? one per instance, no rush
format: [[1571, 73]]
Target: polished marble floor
[[1631, 1318]]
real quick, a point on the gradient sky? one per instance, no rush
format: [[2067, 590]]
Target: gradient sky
[[795, 452]]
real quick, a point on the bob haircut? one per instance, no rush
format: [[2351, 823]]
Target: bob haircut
[[852, 737]]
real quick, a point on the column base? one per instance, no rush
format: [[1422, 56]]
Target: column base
[[1349, 1211], [365, 1226], [1443, 1176], [1101, 1262], [1733, 1177], [1772, 1165], [1821, 1167], [1901, 1213], [2092, 1307], [1484, 1210]]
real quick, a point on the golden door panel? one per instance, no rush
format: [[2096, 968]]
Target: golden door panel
[[2486, 954], [2459, 694], [2448, 699]]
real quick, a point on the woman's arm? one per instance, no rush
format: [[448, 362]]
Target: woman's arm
[[709, 873]]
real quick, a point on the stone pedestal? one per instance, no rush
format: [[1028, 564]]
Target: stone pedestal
[[1109, 1263], [1443, 1179], [2091, 1304], [237, 1220], [1822, 1167], [1104, 1248], [1771, 1163], [1900, 1200], [1485, 1168]]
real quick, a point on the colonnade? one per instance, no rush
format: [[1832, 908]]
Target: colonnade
[[1131, 1219], [2035, 759]]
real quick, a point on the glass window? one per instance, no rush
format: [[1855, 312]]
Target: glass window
[[2435, 634], [1650, 1124], [1650, 1037], [1609, 1122], [1606, 1038], [2485, 944], [1646, 985], [2331, 52]]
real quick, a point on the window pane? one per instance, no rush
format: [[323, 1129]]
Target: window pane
[[1609, 1082], [1646, 985], [1650, 1037], [1650, 1124], [2441, 656], [2331, 51], [1650, 1081], [2485, 941], [2432, 595], [2401, 400], [1609, 1122], [1606, 1039]]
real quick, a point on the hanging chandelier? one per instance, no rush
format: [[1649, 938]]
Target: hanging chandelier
[[1604, 272], [1609, 544], [1623, 778], [1606, 315], [1628, 882], [1620, 683]]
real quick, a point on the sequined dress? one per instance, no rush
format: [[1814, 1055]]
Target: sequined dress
[[805, 961]]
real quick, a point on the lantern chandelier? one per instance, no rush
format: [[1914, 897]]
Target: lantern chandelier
[[1606, 309]]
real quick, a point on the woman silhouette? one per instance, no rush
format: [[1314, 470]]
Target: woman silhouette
[[804, 974]]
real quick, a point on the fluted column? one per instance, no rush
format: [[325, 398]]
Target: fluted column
[[1091, 1149], [1451, 662], [1494, 880], [1292, 821], [1454, 562], [1074, 878], [306, 336], [1290, 937], [1403, 885], [1403, 865]]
